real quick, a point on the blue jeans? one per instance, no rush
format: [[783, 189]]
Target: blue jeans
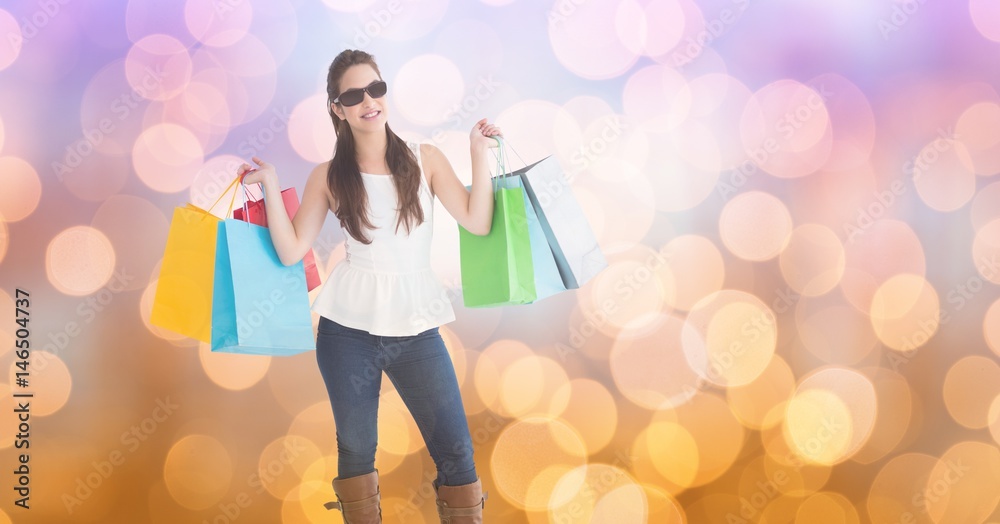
[[352, 361]]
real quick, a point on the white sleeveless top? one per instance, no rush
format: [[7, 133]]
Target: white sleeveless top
[[388, 287]]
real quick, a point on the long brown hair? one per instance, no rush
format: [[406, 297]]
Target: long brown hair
[[344, 174]]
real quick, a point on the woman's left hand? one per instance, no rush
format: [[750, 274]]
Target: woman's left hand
[[482, 135]]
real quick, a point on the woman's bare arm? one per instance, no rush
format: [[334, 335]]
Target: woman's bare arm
[[292, 238], [473, 209]]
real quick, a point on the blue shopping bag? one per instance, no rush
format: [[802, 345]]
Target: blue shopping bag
[[259, 305], [548, 281]]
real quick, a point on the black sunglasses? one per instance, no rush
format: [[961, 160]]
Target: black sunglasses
[[353, 97]]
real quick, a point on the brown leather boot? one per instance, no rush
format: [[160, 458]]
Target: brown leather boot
[[358, 499], [461, 504]]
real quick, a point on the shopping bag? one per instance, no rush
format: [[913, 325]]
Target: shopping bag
[[548, 280], [497, 267], [567, 231], [255, 210], [182, 302], [260, 306]]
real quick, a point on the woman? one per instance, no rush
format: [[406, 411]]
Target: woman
[[381, 306]]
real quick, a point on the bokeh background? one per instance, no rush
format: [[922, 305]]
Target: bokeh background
[[798, 201]]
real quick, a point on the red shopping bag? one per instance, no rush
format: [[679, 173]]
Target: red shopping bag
[[255, 210]]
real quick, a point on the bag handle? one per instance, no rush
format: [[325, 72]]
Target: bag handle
[[245, 206], [501, 167], [224, 191], [246, 200], [518, 156], [502, 146]]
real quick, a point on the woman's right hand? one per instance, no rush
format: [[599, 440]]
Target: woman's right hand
[[261, 175]]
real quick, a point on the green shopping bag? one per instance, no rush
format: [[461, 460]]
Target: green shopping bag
[[497, 268]]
